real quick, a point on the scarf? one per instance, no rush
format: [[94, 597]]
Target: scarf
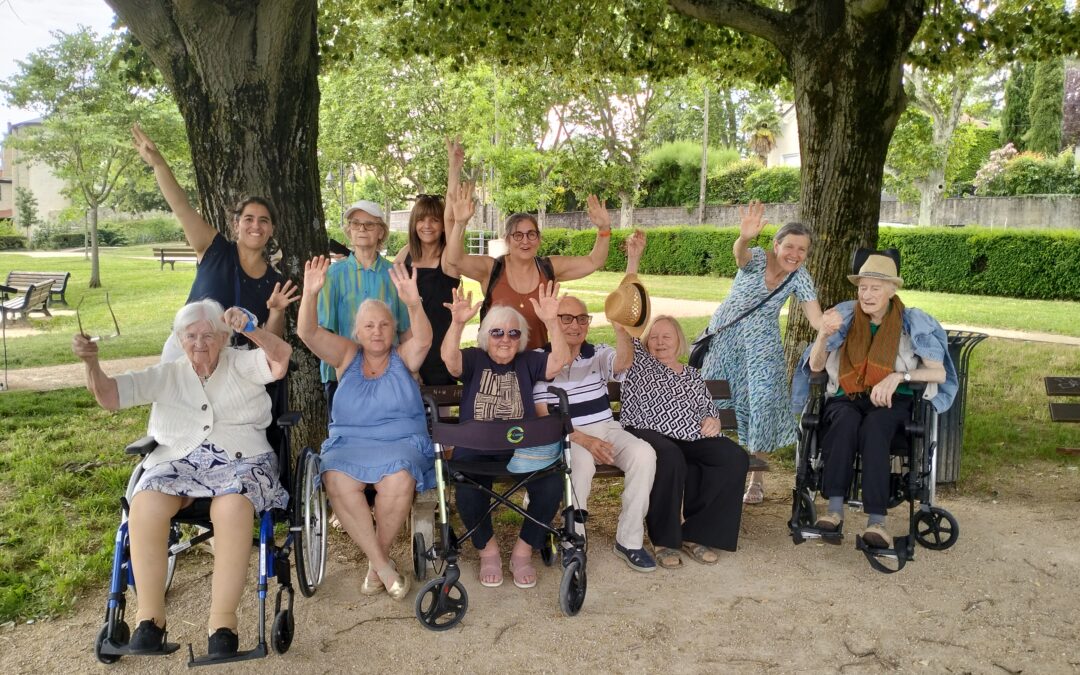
[[866, 359]]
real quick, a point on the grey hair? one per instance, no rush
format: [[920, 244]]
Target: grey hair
[[684, 346], [501, 314], [201, 310], [516, 218], [377, 304], [797, 229]]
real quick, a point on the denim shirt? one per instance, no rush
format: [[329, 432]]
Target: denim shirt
[[927, 337]]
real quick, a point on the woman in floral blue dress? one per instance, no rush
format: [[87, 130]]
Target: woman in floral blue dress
[[749, 354]]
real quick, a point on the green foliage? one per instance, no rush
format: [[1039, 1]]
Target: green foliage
[[12, 242], [26, 208], [728, 186], [1015, 118], [774, 185], [1032, 174], [672, 172], [1044, 108], [142, 231], [970, 149], [395, 242]]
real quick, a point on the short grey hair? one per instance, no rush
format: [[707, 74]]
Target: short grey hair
[[797, 229], [684, 346], [502, 314], [374, 303], [201, 310]]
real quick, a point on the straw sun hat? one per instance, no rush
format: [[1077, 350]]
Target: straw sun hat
[[628, 305], [870, 264]]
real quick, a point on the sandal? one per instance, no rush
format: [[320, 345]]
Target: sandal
[[490, 566], [668, 558], [372, 584], [399, 588], [755, 494], [522, 570], [700, 553]]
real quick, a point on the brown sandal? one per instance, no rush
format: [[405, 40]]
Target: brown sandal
[[668, 558]]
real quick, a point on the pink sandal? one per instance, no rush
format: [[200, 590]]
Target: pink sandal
[[490, 566], [522, 569]]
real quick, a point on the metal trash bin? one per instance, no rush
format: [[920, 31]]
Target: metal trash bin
[[951, 423]]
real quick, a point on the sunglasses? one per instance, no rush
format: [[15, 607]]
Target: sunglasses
[[582, 319], [498, 333], [97, 338], [531, 235]]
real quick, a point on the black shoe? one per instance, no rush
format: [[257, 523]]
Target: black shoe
[[147, 638], [222, 643]]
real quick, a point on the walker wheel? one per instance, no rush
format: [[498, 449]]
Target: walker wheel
[[440, 607], [936, 529], [573, 586]]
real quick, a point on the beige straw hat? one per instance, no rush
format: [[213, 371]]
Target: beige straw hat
[[628, 305]]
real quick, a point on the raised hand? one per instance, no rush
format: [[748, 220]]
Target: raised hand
[[598, 213], [547, 308], [283, 296], [462, 309], [315, 274], [635, 244], [236, 319], [460, 202], [455, 155], [752, 220], [82, 347], [405, 285], [145, 147]]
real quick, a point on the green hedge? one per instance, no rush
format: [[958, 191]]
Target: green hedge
[[969, 260], [141, 231], [12, 242], [775, 185]]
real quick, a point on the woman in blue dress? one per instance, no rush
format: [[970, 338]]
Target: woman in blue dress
[[749, 354], [378, 433]]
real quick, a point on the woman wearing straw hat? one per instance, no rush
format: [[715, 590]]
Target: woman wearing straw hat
[[872, 350], [694, 504], [746, 349]]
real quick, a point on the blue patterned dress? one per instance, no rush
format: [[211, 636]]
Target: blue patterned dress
[[750, 356]]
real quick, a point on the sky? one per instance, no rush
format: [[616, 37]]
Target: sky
[[25, 27]]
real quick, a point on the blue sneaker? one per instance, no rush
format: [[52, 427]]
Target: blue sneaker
[[638, 559]]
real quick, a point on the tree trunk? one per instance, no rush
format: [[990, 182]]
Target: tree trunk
[[931, 190], [245, 77], [848, 79], [95, 267], [626, 209]]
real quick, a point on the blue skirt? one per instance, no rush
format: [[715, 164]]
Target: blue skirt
[[368, 462]]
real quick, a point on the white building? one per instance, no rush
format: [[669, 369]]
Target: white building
[[786, 150], [18, 171]]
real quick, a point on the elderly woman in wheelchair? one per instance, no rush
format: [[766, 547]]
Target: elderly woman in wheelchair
[[873, 350], [378, 431], [211, 410]]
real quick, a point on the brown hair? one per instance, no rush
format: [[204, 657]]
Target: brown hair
[[516, 218], [238, 209], [425, 206]]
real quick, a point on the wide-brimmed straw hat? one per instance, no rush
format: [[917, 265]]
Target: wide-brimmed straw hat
[[628, 305], [870, 264]]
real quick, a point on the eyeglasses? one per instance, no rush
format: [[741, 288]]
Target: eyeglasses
[[582, 319], [361, 225], [97, 338], [531, 235], [498, 333]]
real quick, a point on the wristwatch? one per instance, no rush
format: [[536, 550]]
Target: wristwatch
[[907, 377]]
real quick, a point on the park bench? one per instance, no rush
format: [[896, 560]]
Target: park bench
[[1061, 411], [175, 254], [58, 282], [33, 299]]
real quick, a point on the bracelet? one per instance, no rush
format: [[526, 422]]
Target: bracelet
[[604, 233]]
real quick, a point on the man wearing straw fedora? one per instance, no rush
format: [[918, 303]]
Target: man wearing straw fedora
[[597, 438]]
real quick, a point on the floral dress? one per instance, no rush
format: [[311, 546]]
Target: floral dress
[[750, 356]]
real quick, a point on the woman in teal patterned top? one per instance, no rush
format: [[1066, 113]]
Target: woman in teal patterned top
[[750, 354]]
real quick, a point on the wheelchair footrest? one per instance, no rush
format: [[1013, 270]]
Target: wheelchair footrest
[[110, 648], [899, 552], [800, 534], [207, 660]]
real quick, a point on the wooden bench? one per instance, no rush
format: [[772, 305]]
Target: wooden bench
[[58, 282], [1060, 411], [175, 254], [33, 299]]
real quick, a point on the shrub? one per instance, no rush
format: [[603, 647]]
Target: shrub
[[1028, 173], [728, 186], [12, 242], [775, 185], [395, 242], [66, 240], [970, 149], [143, 230], [673, 173]]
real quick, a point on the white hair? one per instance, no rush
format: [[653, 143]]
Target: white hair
[[201, 310], [502, 314], [376, 304]]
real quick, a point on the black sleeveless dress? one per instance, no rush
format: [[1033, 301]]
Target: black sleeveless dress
[[436, 287]]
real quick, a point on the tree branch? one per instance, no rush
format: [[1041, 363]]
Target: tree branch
[[742, 15]]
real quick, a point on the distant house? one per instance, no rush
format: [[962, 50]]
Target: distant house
[[786, 150], [18, 171]]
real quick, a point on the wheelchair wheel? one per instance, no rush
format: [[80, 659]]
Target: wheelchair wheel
[[309, 517], [573, 586], [440, 607], [936, 528], [281, 632], [121, 635], [419, 557], [550, 549]]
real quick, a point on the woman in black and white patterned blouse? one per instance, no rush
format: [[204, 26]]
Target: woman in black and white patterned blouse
[[696, 499]]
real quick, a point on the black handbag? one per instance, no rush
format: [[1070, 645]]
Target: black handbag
[[700, 346]]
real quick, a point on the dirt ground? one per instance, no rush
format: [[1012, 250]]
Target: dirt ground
[[1003, 600]]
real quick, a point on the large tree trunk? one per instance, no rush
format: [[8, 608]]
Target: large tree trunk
[[931, 191], [626, 209], [245, 77]]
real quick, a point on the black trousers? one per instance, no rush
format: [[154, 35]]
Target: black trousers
[[545, 494], [856, 425], [697, 492]]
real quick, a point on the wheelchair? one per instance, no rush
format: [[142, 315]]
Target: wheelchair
[[442, 602], [305, 518], [913, 479]]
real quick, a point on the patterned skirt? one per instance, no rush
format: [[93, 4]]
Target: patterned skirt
[[209, 471]]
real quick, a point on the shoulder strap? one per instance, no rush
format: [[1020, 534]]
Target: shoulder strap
[[496, 270], [753, 309], [547, 269]]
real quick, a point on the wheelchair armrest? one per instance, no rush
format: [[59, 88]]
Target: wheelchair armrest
[[914, 429], [289, 419], [144, 446]]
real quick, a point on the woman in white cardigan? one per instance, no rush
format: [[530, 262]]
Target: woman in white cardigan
[[210, 415]]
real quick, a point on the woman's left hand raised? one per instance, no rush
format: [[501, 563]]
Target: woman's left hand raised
[[283, 296], [405, 285], [547, 309], [598, 213]]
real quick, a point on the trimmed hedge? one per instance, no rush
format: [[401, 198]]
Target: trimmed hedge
[[970, 260], [12, 242], [775, 185]]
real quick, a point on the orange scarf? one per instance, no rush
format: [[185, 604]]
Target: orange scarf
[[867, 359]]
